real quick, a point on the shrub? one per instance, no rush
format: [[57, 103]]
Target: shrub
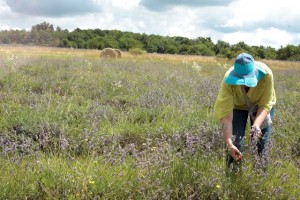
[[136, 51]]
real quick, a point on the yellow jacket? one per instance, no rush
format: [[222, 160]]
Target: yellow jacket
[[231, 96]]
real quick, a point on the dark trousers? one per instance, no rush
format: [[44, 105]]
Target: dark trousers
[[238, 131]]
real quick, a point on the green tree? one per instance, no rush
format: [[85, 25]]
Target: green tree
[[205, 41], [290, 52], [220, 48], [43, 27], [183, 40], [171, 49], [110, 42], [150, 43], [95, 43], [184, 49], [127, 42], [42, 34], [201, 49]]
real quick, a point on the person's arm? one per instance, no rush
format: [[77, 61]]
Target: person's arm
[[255, 131], [265, 104], [227, 137], [260, 117]]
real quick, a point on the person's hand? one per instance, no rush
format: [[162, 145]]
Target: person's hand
[[255, 133], [234, 152]]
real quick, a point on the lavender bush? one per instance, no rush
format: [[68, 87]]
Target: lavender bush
[[74, 126]]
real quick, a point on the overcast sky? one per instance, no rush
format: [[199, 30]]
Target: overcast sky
[[272, 23]]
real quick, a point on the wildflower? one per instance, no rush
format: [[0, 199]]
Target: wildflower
[[218, 186], [196, 67], [153, 148], [91, 182]]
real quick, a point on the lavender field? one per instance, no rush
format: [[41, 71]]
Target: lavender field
[[77, 126]]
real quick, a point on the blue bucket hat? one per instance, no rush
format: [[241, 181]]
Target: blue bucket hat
[[245, 71]]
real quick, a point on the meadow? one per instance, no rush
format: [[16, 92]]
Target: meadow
[[76, 126]]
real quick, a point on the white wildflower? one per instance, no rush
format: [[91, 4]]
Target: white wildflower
[[196, 67]]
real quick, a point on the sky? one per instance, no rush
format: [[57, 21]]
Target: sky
[[270, 23]]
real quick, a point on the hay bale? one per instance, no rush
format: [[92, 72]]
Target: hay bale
[[108, 53], [118, 52]]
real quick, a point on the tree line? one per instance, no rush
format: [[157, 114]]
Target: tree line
[[44, 34]]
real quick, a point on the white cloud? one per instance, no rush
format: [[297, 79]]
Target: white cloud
[[4, 10], [125, 4], [268, 22], [53, 8], [162, 5], [271, 37]]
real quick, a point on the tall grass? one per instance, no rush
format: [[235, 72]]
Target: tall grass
[[75, 126]]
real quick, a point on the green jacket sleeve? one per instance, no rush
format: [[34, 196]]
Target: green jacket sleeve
[[224, 102], [268, 98]]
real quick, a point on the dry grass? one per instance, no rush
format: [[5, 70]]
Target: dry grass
[[37, 51], [94, 53], [276, 64], [34, 51]]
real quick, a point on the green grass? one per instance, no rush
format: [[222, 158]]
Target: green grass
[[74, 126]]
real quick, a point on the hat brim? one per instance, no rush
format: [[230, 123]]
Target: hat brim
[[249, 80]]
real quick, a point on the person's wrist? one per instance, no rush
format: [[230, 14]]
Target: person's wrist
[[229, 146], [255, 127], [255, 131]]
